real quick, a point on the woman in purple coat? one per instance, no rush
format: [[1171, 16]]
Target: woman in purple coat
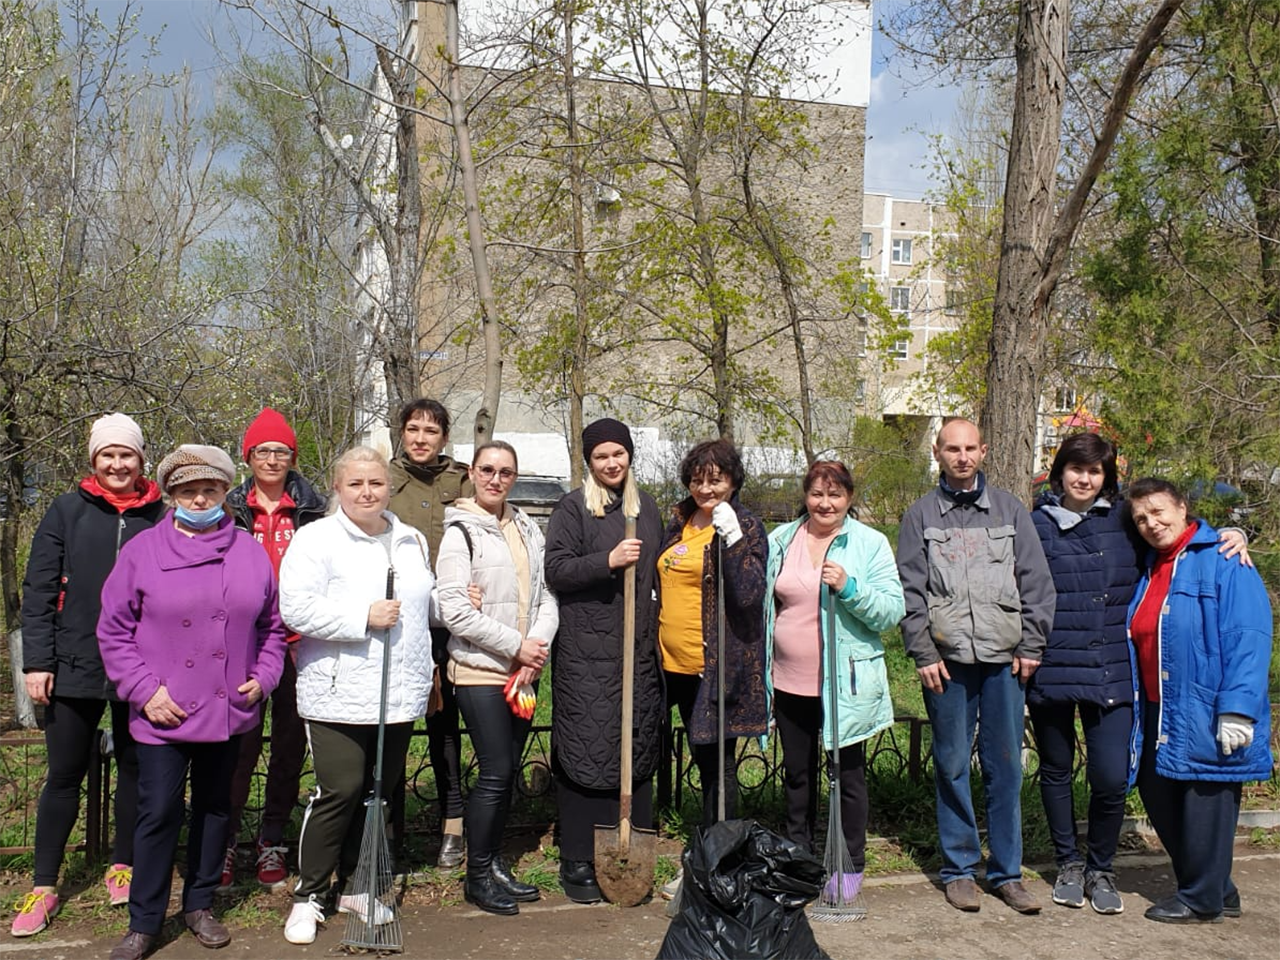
[[191, 637]]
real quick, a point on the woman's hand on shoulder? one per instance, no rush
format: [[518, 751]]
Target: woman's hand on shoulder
[[1233, 542]]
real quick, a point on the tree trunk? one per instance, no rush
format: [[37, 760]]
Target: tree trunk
[[487, 415], [581, 303], [400, 347], [1019, 326], [1033, 257]]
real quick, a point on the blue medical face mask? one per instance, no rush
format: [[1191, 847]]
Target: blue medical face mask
[[199, 519]]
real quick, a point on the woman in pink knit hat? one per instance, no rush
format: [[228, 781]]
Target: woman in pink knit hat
[[74, 549]]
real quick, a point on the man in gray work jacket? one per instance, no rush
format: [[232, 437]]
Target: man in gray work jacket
[[980, 602]]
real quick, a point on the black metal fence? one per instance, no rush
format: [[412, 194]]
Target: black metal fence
[[899, 751]]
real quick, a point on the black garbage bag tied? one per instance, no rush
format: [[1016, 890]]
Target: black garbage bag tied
[[743, 897]]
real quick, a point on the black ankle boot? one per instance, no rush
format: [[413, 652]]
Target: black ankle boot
[[578, 878], [482, 890], [520, 892]]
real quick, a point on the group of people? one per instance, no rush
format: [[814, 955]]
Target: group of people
[[1131, 613]]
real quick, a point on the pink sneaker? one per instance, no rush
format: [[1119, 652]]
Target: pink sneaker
[[228, 872], [34, 913], [118, 880], [271, 869]]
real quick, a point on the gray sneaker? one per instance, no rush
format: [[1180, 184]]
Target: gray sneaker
[[1068, 888], [1101, 888]]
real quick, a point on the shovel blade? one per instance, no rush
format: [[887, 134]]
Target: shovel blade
[[625, 876]]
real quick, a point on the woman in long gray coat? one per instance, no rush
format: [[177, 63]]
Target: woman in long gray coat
[[587, 553]]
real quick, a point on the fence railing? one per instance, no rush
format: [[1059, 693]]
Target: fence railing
[[899, 752]]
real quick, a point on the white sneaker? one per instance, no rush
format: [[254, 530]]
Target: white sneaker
[[301, 925], [671, 888], [357, 903]]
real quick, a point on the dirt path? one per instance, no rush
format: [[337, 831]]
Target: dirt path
[[908, 920]]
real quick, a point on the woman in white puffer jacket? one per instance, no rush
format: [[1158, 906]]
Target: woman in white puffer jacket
[[495, 549], [333, 585]]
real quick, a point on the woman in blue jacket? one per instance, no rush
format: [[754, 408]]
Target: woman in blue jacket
[[1093, 556], [1201, 630], [826, 557]]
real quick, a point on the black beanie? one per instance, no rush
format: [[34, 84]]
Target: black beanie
[[606, 430]]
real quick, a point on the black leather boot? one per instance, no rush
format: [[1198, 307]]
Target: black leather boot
[[578, 878], [482, 890], [518, 891]]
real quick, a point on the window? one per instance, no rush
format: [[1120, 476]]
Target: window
[[900, 349], [952, 299], [1064, 399], [860, 392], [860, 341], [866, 246], [900, 299], [901, 251]]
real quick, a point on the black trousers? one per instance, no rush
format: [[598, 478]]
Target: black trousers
[[682, 690], [162, 776], [498, 737], [70, 724], [581, 809], [1195, 821], [799, 723], [1106, 737], [444, 742], [284, 765], [343, 756]]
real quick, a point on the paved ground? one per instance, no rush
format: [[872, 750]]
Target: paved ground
[[908, 919]]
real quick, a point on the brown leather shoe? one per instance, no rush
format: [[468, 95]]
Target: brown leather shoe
[[134, 946], [963, 894], [207, 930], [1017, 896]]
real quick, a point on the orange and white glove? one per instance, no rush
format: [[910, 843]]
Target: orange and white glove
[[520, 697]]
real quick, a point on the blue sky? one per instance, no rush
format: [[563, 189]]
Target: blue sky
[[900, 118]]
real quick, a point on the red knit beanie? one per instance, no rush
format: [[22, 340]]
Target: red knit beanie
[[269, 426]]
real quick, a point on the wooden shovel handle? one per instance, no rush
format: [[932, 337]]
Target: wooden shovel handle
[[628, 683]]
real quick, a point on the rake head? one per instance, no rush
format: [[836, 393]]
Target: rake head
[[373, 917]]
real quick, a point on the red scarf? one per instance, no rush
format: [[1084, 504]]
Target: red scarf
[[1144, 628], [144, 491]]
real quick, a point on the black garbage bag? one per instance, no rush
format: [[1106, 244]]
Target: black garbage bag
[[743, 897]]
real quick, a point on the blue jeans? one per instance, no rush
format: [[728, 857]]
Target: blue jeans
[[991, 693]]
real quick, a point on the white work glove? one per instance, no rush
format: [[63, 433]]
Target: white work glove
[[1235, 732], [726, 523]]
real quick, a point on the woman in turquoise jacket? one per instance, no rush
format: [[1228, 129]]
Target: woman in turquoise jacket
[[827, 557]]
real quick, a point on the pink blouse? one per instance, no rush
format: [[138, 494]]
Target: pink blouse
[[797, 637]]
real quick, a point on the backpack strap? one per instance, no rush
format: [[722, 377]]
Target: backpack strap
[[466, 535]]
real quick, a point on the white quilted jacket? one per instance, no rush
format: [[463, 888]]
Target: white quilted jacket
[[487, 638], [331, 573]]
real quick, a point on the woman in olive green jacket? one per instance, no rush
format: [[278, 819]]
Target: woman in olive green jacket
[[424, 483]]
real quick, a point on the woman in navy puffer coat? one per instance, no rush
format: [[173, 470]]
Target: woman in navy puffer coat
[[1095, 560]]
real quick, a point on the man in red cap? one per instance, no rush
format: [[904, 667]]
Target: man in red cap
[[271, 504]]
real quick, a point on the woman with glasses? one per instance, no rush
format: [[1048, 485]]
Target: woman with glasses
[[492, 547]]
